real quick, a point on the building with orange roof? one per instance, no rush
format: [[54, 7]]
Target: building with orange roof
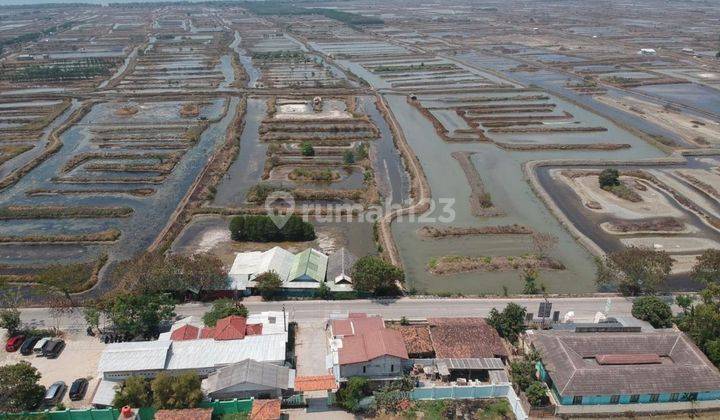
[[265, 410], [362, 346]]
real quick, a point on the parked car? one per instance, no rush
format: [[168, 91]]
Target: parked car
[[78, 389], [37, 348], [54, 393], [27, 346], [53, 348], [14, 343]]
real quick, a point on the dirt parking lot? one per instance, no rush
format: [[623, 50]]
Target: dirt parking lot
[[78, 360]]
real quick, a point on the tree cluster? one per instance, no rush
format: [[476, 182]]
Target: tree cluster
[[374, 275], [223, 308], [19, 388], [137, 315], [152, 272], [634, 271], [165, 392], [261, 228], [509, 323]]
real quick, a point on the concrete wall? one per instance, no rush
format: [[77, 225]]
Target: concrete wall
[[472, 392], [380, 367]]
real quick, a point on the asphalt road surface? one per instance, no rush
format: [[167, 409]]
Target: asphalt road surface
[[584, 308]]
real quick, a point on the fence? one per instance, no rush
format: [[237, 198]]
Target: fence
[[472, 392], [219, 408]]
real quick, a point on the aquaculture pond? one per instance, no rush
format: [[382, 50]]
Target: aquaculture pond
[[150, 212], [683, 238], [501, 172]]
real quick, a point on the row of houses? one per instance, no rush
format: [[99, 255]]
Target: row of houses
[[300, 273], [593, 368]]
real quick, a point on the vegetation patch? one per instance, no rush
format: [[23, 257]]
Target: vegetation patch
[[262, 228], [449, 231], [303, 174], [103, 236], [453, 264], [58, 212]]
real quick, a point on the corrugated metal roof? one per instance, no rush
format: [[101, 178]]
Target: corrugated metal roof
[[248, 372], [191, 354], [209, 353], [309, 264], [134, 356], [489, 363]]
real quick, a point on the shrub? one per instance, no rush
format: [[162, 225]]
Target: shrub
[[355, 389], [536, 394], [268, 284], [653, 310], [224, 308], [307, 149], [348, 157], [609, 178]]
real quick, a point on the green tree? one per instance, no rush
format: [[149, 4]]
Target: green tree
[[176, 392], [198, 272], [685, 302], [707, 267], [510, 322], [92, 316], [307, 149], [712, 350], [268, 284], [375, 275], [138, 315], [536, 394], [634, 271], [348, 157], [261, 228], [10, 320], [19, 388], [354, 390], [522, 373], [609, 178], [323, 292], [134, 392], [702, 322], [530, 276], [224, 308], [653, 310]]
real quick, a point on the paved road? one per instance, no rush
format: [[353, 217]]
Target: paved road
[[318, 311]]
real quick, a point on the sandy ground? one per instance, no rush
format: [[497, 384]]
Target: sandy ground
[[708, 205], [653, 203], [672, 244], [79, 359], [683, 263], [711, 178], [680, 123]]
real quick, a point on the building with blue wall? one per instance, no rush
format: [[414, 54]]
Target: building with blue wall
[[624, 368]]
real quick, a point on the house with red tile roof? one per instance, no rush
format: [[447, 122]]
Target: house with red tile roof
[[362, 346]]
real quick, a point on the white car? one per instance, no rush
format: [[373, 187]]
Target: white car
[[37, 348]]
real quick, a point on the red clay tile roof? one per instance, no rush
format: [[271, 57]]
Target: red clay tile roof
[[357, 325], [417, 339], [371, 345], [627, 359], [458, 338], [254, 329], [315, 383], [230, 328], [186, 332], [187, 414], [265, 410], [207, 332]]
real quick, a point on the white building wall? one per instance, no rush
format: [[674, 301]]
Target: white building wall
[[379, 367]]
